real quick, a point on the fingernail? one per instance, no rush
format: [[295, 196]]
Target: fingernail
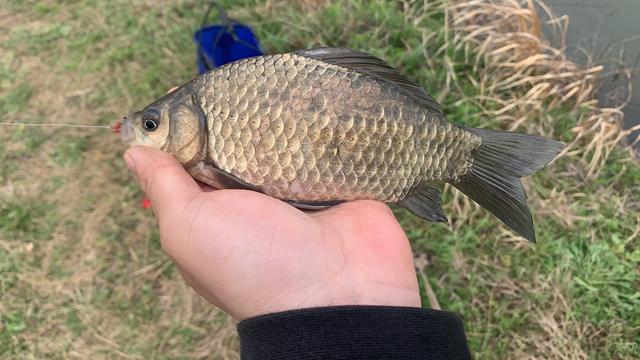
[[131, 164]]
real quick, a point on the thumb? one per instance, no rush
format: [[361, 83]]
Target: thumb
[[169, 187]]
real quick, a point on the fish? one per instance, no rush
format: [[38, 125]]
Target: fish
[[321, 126]]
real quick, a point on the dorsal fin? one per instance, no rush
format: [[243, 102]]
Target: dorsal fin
[[370, 65]]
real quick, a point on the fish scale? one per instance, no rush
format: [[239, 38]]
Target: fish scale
[[351, 121]]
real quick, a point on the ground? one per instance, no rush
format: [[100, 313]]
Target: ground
[[82, 274]]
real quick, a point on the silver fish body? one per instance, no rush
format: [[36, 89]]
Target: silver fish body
[[321, 126], [301, 129]]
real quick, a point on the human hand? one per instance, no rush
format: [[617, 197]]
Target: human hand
[[251, 254]]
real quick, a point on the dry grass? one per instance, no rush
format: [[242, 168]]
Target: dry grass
[[524, 69], [86, 275], [71, 289], [525, 78]]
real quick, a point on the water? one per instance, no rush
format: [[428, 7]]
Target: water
[[603, 27]]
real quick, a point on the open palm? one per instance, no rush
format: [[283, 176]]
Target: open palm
[[251, 254]]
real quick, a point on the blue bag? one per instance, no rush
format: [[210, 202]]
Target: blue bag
[[222, 43]]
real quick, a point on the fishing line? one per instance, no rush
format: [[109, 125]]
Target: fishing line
[[58, 124]]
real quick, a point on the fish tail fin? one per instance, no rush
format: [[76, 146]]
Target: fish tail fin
[[493, 180]]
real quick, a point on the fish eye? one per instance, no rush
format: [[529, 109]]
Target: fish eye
[[150, 120], [150, 125]]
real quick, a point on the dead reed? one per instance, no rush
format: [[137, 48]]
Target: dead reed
[[518, 51], [520, 45]]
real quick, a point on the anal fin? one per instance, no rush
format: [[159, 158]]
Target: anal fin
[[425, 203]]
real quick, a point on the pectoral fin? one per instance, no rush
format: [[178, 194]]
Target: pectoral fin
[[218, 178]]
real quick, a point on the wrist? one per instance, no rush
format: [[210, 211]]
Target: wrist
[[365, 295], [388, 295]]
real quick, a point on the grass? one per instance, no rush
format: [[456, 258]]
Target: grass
[[81, 270]]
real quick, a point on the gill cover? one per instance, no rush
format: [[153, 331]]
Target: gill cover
[[188, 132]]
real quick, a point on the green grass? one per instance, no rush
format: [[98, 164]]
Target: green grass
[[81, 269], [69, 152]]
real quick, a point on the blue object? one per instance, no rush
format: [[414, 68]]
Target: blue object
[[223, 43]]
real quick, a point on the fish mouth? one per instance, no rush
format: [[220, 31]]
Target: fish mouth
[[127, 132]]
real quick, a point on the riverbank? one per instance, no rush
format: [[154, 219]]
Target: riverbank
[[608, 30], [82, 273]]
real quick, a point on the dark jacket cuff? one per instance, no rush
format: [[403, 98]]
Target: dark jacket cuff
[[354, 332]]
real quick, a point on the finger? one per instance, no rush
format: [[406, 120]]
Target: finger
[[172, 89], [169, 187]]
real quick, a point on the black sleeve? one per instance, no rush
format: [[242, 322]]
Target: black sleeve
[[354, 332]]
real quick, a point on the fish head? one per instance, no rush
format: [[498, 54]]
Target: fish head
[[173, 123]]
